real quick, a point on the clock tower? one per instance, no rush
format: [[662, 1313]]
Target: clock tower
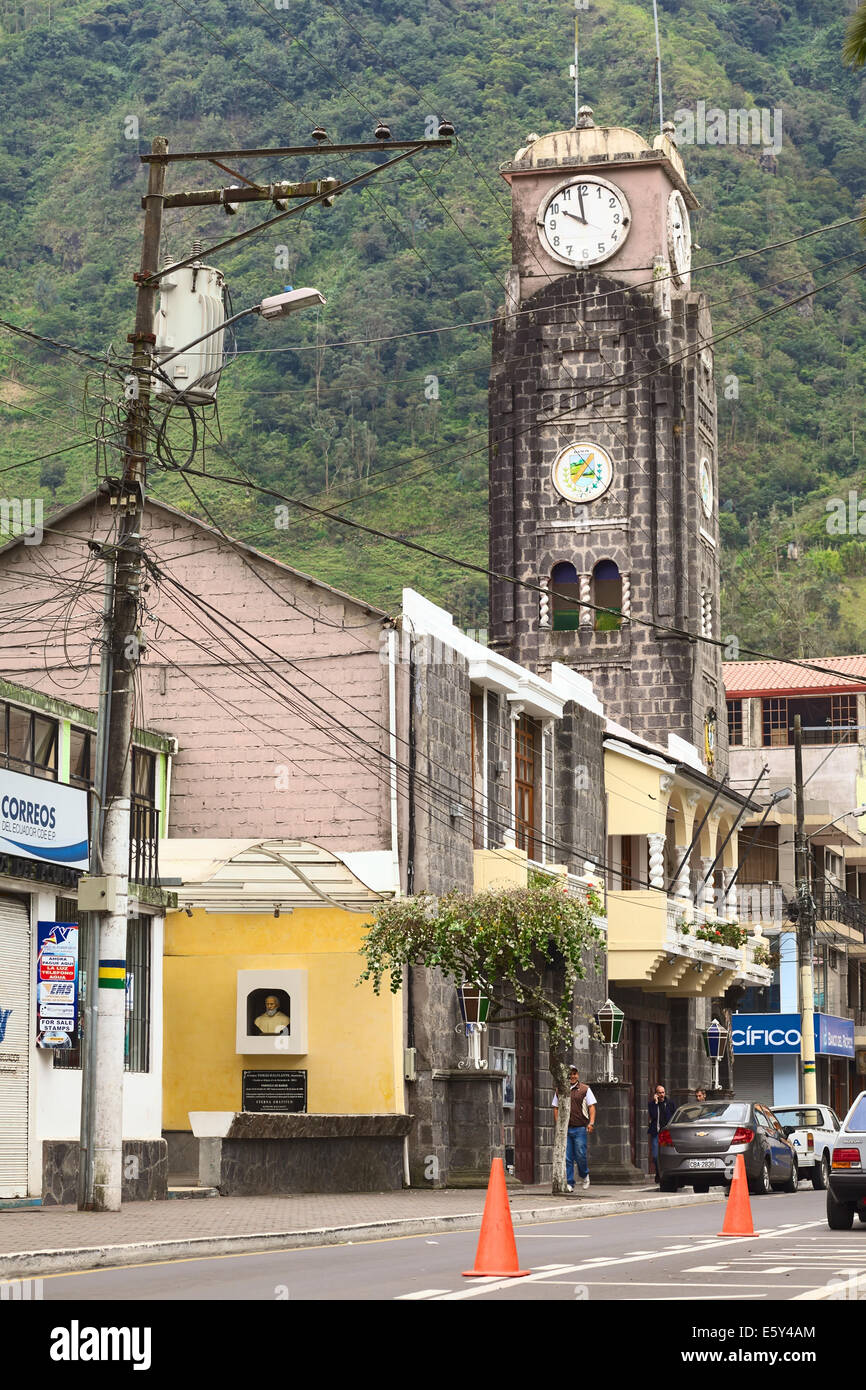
[[603, 446]]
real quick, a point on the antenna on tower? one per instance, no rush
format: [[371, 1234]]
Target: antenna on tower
[[658, 63], [575, 66]]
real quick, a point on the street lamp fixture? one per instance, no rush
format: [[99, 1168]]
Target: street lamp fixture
[[715, 1042], [610, 1020], [857, 811], [276, 306], [474, 1008]]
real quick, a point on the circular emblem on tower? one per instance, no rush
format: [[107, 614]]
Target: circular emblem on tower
[[706, 488], [582, 471]]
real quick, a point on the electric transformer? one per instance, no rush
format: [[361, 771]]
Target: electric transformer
[[191, 303]]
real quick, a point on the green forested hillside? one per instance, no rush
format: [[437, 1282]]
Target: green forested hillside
[[391, 425]]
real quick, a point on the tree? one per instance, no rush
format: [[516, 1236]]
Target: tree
[[854, 51], [527, 947], [51, 475]]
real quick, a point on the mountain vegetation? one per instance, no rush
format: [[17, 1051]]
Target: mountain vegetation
[[375, 406]]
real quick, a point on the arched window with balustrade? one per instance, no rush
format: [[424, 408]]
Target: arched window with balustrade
[[565, 608], [607, 594]]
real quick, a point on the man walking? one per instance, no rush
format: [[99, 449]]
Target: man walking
[[581, 1123], [660, 1111]]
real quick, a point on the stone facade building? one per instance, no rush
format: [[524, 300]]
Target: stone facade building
[[603, 448]]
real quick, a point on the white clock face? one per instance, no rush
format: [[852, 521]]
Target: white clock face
[[679, 236], [706, 488], [584, 221], [582, 471]]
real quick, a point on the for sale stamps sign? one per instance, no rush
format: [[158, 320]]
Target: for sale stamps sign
[[57, 984]]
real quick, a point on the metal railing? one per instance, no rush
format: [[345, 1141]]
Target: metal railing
[[143, 844], [835, 905]]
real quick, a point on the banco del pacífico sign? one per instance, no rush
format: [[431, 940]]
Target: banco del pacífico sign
[[43, 820], [778, 1034]]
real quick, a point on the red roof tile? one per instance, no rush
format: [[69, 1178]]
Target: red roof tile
[[745, 678]]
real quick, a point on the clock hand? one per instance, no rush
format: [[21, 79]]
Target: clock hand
[[566, 213], [582, 209]]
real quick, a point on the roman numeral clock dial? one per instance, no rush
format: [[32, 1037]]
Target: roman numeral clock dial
[[584, 221]]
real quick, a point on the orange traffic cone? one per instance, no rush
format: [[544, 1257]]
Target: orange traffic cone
[[497, 1251], [738, 1212]]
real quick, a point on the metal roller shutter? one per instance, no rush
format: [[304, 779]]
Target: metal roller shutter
[[753, 1079], [15, 1046]]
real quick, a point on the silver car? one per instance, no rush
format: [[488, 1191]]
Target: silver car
[[702, 1141], [846, 1189]]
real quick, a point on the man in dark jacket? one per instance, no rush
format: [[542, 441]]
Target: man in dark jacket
[[660, 1111]]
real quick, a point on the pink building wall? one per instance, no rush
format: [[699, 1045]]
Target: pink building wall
[[266, 748]]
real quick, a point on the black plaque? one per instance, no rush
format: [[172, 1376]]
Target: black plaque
[[274, 1092]]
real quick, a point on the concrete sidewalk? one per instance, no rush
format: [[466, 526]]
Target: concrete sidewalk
[[51, 1240]]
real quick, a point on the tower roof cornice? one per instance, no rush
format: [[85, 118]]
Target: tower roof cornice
[[602, 148]]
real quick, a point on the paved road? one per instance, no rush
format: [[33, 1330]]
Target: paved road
[[668, 1255]]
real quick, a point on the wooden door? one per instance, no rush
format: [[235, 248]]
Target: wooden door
[[524, 1101]]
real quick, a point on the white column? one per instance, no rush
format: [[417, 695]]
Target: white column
[[656, 860], [587, 616], [544, 728], [706, 897], [730, 893], [484, 788], [680, 888]]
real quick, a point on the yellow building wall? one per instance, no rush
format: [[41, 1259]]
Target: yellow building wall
[[635, 802], [355, 1060]]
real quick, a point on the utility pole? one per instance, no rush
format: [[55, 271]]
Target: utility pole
[[107, 1084], [101, 1177], [805, 927]]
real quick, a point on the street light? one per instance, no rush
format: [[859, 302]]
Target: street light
[[610, 1020], [858, 811], [474, 1007], [715, 1041], [276, 306]]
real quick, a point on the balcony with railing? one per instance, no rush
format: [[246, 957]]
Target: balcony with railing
[[658, 942], [767, 904]]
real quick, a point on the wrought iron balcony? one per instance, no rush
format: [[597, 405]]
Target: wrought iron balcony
[[835, 905]]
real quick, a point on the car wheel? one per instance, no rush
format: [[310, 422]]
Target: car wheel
[[667, 1185], [840, 1215], [791, 1184], [701, 1186], [762, 1185], [821, 1172]]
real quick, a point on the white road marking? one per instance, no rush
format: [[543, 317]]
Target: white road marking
[[598, 1261], [422, 1293]]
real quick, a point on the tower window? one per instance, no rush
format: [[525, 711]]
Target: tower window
[[607, 594], [565, 583]]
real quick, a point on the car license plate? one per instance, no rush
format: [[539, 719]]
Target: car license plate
[[701, 1163]]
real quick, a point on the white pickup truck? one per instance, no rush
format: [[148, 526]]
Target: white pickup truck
[[812, 1129]]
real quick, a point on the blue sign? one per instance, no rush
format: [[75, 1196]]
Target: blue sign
[[57, 984], [834, 1036], [755, 1034]]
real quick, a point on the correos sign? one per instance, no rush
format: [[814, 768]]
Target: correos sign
[[43, 820]]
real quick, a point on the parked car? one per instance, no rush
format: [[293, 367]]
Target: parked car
[[700, 1146], [846, 1188], [812, 1129]]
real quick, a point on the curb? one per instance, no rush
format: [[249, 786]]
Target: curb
[[27, 1263]]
